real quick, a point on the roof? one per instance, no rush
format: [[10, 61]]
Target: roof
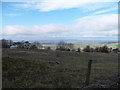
[[14, 46]]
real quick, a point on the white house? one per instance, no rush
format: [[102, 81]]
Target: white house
[[13, 46]]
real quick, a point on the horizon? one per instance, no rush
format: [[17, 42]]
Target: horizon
[[69, 41], [60, 20]]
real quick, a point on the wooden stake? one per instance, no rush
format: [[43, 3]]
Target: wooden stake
[[88, 73]]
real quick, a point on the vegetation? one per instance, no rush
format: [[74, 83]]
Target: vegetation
[[87, 49], [6, 43], [64, 46], [83, 45], [33, 65], [24, 68]]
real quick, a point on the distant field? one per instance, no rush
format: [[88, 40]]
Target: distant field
[[83, 45], [113, 45], [38, 68]]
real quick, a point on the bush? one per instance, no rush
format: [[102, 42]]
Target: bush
[[48, 48], [78, 50], [105, 49], [87, 49], [33, 47]]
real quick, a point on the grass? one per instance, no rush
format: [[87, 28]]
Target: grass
[[38, 69], [83, 45], [21, 73]]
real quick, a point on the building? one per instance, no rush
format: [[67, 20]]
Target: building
[[13, 46]]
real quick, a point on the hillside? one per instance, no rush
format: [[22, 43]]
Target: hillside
[[48, 69]]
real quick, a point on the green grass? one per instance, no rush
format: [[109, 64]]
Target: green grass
[[31, 68], [83, 45]]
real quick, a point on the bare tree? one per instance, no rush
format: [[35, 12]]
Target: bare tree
[[70, 45], [6, 43], [61, 45], [36, 43], [64, 46]]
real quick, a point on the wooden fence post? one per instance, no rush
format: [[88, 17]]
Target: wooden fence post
[[88, 73]]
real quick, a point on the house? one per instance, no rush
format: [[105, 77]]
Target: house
[[13, 46]]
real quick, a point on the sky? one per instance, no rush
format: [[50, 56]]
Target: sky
[[59, 19]]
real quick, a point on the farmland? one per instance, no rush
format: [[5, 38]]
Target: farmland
[[55, 69], [113, 45], [83, 45]]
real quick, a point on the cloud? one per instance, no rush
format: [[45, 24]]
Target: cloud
[[91, 35], [14, 14], [107, 10], [90, 26], [51, 5], [17, 0], [59, 0], [104, 22], [35, 29]]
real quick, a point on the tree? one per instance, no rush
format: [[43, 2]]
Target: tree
[[6, 43], [10, 42], [105, 49], [33, 47], [48, 48], [97, 49], [37, 44], [70, 45], [61, 45], [64, 46], [87, 49], [78, 50]]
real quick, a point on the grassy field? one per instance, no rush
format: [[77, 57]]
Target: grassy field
[[55, 69], [83, 45], [113, 45]]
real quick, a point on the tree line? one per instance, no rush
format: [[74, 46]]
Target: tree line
[[61, 46], [20, 44]]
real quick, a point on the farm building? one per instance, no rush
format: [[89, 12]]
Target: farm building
[[13, 46]]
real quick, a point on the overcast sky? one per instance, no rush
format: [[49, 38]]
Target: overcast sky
[[59, 19]]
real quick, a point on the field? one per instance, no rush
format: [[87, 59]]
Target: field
[[55, 69], [83, 45], [113, 45]]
